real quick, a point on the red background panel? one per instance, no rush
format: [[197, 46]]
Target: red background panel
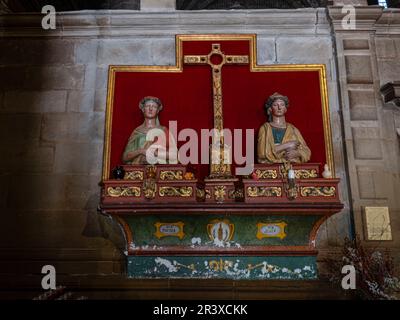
[[187, 98]]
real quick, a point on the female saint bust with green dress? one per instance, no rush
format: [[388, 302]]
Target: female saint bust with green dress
[[161, 148]]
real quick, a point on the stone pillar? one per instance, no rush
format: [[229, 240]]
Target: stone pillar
[[366, 61], [157, 5]]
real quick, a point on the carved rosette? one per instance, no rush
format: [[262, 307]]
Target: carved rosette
[[318, 191], [220, 193], [123, 192], [175, 191], [255, 192]]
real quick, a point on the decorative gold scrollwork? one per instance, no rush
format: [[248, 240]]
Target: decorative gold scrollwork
[[200, 193], [123, 191], [220, 193], [236, 194], [305, 174], [266, 174], [149, 188], [175, 191], [220, 265], [264, 192], [300, 173], [134, 175], [171, 175], [318, 191]]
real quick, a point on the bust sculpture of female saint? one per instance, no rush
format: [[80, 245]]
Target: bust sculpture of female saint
[[160, 142], [278, 140]]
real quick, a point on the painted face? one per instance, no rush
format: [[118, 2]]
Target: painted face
[[278, 108], [150, 109]]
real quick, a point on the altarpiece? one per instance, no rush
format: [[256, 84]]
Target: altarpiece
[[203, 220]]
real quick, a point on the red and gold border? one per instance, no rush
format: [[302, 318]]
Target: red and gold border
[[254, 67]]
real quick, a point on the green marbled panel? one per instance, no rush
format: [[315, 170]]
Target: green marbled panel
[[228, 267], [297, 230]]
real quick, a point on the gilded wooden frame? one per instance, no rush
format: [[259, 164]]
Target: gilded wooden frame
[[254, 67]]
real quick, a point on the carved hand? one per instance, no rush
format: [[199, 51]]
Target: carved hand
[[290, 145], [292, 154]]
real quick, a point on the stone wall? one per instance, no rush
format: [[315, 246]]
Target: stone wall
[[52, 108], [368, 58]]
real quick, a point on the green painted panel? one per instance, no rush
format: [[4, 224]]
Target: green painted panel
[[227, 267], [297, 230]]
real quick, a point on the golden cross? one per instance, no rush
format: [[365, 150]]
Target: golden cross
[[217, 59]]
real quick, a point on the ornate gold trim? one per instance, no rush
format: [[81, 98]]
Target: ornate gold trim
[[179, 233], [267, 174], [134, 175], [305, 174], [171, 175], [281, 234], [254, 67], [237, 193], [149, 188], [318, 191], [108, 125], [123, 192], [175, 191], [302, 173], [255, 192]]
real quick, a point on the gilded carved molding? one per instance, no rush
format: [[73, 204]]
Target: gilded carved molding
[[266, 174], [134, 175], [175, 191], [317, 191], [171, 175], [123, 191], [264, 192]]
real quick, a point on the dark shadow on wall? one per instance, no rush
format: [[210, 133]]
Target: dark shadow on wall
[[103, 226], [44, 207]]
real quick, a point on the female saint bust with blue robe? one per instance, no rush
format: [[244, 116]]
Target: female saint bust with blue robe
[[278, 140]]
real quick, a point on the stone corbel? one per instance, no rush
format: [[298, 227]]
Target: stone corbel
[[365, 16], [391, 94]]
